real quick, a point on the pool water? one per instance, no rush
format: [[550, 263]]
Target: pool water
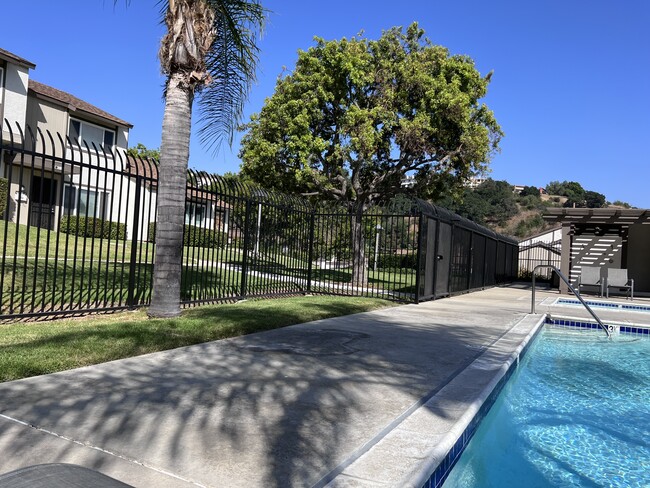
[[628, 307], [576, 413]]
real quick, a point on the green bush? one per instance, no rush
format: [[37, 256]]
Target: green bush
[[529, 226], [195, 236], [397, 261], [92, 227], [4, 188], [200, 237]]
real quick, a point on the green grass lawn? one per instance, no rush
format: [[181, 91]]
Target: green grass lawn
[[32, 241], [95, 273], [34, 348]]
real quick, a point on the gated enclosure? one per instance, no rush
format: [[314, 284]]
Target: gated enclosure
[[457, 255], [79, 228], [545, 248]]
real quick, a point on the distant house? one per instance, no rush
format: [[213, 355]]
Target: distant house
[[51, 122], [474, 182], [203, 209], [408, 181]]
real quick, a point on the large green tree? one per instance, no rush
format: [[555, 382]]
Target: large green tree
[[209, 51], [356, 115], [142, 151]]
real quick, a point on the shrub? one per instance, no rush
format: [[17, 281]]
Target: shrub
[[200, 237], [397, 261], [526, 227], [4, 188], [92, 227], [195, 236]]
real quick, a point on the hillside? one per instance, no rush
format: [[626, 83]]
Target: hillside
[[498, 206]]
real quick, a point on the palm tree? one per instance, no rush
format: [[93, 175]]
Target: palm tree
[[210, 51]]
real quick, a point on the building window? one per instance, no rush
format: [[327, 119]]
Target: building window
[[84, 202], [84, 132], [194, 214]]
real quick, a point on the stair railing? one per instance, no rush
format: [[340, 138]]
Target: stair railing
[[574, 291]]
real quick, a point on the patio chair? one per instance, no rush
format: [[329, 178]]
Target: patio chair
[[617, 278], [590, 276]]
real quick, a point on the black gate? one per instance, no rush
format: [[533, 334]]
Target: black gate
[[443, 258]]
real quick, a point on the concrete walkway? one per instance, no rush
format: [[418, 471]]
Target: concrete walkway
[[360, 400]]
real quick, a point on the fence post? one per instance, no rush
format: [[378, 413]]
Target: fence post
[[244, 263], [312, 223], [452, 255], [418, 259], [470, 271], [134, 242]]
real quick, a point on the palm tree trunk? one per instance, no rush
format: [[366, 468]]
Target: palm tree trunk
[[172, 181]]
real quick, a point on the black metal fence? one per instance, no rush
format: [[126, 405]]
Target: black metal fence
[[532, 254], [78, 234]]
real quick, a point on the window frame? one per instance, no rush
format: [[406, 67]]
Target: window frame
[[80, 139], [191, 214], [102, 201]]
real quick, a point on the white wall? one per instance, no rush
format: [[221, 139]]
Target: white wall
[[15, 95], [547, 237]]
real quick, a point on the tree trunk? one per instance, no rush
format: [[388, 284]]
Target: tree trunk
[[172, 182], [359, 258]]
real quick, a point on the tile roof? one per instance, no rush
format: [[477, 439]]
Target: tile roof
[[7, 56], [148, 168], [74, 102]]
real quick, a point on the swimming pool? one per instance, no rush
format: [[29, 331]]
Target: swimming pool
[[628, 307], [576, 413]]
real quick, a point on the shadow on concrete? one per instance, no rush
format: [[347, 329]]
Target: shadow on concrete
[[279, 408]]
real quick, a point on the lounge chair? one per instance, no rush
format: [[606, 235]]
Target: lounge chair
[[617, 278], [590, 276]]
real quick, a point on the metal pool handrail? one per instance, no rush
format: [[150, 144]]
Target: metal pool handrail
[[573, 290]]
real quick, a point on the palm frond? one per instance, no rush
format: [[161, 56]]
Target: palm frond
[[231, 63]]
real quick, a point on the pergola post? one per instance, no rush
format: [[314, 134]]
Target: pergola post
[[565, 257]]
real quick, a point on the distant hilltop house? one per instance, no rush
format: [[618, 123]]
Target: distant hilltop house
[[474, 182], [519, 188], [408, 181], [71, 140]]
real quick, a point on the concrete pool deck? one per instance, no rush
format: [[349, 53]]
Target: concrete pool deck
[[365, 400]]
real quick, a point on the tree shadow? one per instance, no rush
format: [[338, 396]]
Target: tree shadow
[[279, 408]]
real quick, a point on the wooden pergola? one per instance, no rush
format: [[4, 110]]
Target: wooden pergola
[[574, 219]]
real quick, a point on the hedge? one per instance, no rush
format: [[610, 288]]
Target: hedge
[[92, 227], [4, 188], [397, 261], [195, 236]]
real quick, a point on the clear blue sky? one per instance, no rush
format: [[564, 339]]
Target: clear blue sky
[[570, 87]]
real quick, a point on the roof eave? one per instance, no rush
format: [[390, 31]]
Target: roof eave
[[13, 59]]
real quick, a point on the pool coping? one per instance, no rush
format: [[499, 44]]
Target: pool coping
[[421, 451]]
